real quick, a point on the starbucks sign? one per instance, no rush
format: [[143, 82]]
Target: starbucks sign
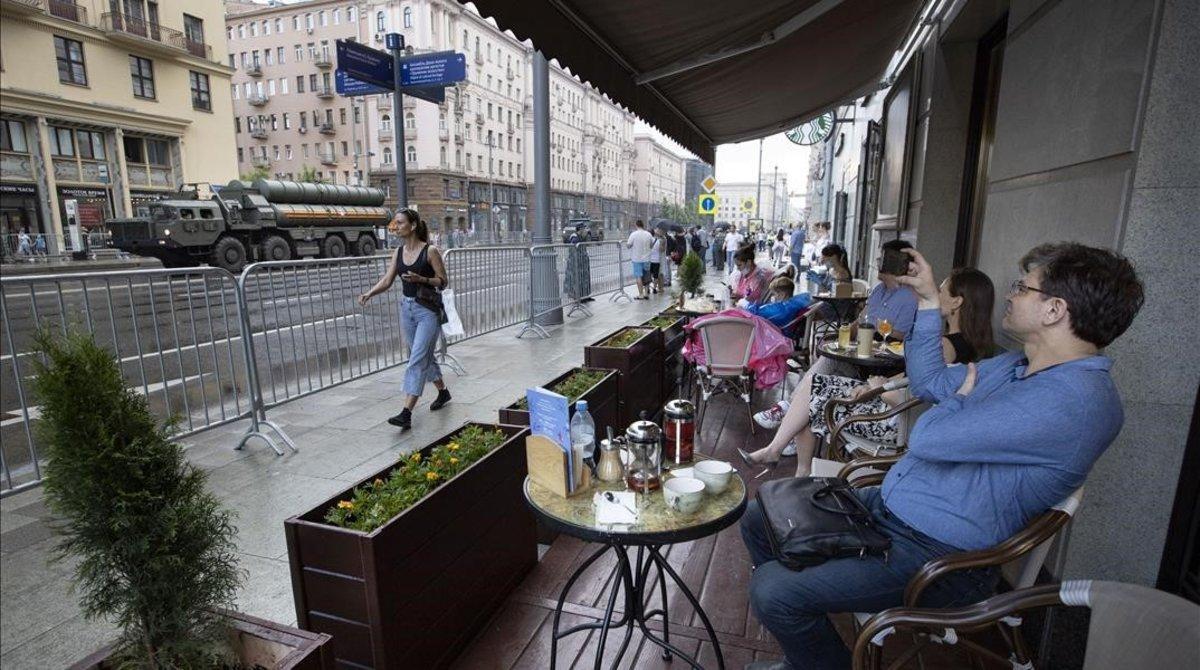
[[814, 130]]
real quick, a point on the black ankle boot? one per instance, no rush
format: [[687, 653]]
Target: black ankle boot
[[403, 420], [440, 401]]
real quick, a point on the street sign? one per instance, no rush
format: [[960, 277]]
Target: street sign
[[365, 64], [708, 203], [709, 184], [349, 87], [440, 68], [747, 204]]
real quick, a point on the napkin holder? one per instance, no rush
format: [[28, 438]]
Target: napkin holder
[[548, 467]]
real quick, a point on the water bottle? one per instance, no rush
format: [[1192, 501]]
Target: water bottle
[[583, 433]]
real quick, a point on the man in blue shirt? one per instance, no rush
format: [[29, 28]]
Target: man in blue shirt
[[1004, 442], [797, 245]]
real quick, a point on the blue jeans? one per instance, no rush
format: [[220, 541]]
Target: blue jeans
[[793, 604], [796, 257], [421, 333]]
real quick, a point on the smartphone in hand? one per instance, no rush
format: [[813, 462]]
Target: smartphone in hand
[[895, 263]]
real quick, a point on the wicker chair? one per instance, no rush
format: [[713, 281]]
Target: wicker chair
[[842, 445], [1130, 626]]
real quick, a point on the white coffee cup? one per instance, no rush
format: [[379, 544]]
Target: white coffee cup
[[714, 474], [683, 494]]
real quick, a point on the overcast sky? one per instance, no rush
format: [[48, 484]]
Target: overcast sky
[[739, 162]]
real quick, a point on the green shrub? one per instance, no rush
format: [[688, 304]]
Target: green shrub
[[155, 549], [691, 274], [572, 387], [624, 338], [414, 477]]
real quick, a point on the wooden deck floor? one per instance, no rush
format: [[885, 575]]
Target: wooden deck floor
[[716, 569]]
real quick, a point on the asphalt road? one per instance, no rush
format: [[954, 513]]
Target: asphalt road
[[178, 337]]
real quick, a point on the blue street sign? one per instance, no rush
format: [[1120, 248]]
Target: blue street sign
[[395, 41], [349, 86], [365, 64], [440, 68]]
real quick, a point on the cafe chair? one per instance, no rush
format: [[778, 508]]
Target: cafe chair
[[843, 445], [1019, 558], [728, 342], [860, 286], [1130, 626]]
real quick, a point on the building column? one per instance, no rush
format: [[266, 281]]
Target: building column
[[120, 177], [49, 186]]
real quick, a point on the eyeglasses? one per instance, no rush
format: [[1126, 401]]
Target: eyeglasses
[[1019, 286]]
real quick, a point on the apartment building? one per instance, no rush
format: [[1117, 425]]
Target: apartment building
[[742, 201], [103, 110], [288, 118], [657, 172]]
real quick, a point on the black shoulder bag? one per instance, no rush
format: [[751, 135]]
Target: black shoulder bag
[[810, 520]]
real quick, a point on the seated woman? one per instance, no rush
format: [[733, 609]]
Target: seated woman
[[967, 296], [783, 307], [749, 280], [837, 268]]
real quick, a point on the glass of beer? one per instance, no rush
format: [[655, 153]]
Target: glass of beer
[[844, 337]]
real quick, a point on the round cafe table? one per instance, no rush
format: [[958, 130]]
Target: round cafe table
[[881, 361], [844, 308], [657, 525]]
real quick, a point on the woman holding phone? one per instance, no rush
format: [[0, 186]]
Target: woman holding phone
[[419, 266]]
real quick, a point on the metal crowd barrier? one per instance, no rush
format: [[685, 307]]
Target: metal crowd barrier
[[491, 287], [177, 335], [564, 276]]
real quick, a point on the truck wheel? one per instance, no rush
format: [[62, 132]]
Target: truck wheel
[[229, 254], [333, 246], [275, 248], [363, 246]]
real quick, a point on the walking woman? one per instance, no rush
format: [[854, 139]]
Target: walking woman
[[419, 266]]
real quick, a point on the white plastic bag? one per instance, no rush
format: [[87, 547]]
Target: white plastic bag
[[453, 326]]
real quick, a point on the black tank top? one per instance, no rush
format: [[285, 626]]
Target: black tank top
[[963, 351], [421, 266]]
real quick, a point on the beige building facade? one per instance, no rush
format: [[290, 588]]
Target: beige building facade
[[657, 172], [105, 107]]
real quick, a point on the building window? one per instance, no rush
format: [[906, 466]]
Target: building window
[[408, 17], [410, 121], [296, 22], [351, 14], [380, 22], [241, 32], [337, 17], [323, 17], [279, 27], [279, 55], [287, 151], [69, 54], [308, 21], [12, 136], [299, 54], [385, 123], [342, 116], [287, 121], [253, 29], [269, 56], [387, 156], [266, 27], [412, 154], [345, 148], [283, 86], [141, 71], [201, 97]]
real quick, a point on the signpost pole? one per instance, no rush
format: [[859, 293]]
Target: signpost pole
[[395, 44]]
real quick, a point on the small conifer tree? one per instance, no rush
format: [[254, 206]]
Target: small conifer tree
[[691, 274], [155, 549]]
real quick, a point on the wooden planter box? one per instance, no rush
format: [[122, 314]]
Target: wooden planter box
[[640, 365], [259, 644], [602, 403], [673, 339], [413, 592]]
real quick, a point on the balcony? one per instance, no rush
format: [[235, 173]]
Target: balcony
[[327, 129], [511, 129], [323, 61], [152, 37], [508, 74], [257, 99], [327, 157], [325, 92], [254, 70], [385, 134], [260, 161], [443, 134], [460, 138], [479, 118], [259, 133], [67, 10]]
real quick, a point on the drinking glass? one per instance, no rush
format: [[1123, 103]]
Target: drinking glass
[[885, 329]]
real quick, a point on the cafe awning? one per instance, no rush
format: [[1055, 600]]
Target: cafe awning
[[709, 72]]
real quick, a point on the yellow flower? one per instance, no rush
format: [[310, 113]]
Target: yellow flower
[[416, 457], [453, 461], [378, 482], [453, 446], [345, 504], [431, 476]]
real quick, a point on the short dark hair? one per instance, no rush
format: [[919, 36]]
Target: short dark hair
[[897, 245], [745, 254], [1101, 288], [639, 223]]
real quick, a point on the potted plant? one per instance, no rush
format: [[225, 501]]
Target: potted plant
[[637, 354], [598, 387], [671, 324], [405, 567], [691, 276], [155, 549]]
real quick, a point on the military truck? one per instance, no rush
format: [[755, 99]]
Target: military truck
[[267, 220]]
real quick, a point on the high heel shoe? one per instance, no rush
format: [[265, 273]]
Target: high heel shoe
[[767, 467]]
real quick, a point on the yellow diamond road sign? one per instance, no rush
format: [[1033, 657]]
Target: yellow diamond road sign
[[709, 184], [747, 204], [708, 203]]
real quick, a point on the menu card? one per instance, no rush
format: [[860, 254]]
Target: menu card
[[550, 418]]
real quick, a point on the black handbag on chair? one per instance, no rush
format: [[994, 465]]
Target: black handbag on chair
[[810, 520]]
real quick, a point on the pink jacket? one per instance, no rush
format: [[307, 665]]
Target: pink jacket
[[768, 353]]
